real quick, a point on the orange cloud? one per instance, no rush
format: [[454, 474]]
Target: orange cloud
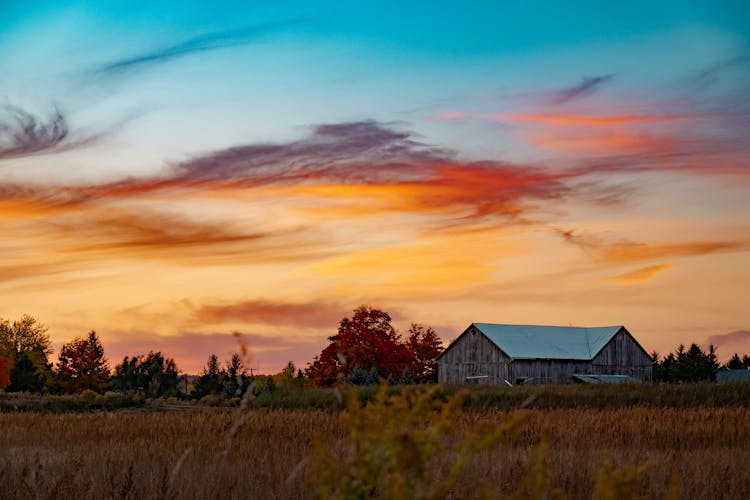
[[592, 121], [640, 275], [630, 251], [308, 314]]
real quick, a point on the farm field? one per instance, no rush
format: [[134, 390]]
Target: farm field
[[223, 453]]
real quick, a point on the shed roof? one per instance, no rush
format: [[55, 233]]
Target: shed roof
[[588, 378], [548, 342], [733, 375]]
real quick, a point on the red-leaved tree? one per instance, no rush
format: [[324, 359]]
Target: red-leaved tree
[[82, 365], [5, 365], [424, 346], [367, 341]]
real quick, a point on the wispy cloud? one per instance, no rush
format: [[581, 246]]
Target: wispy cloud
[[299, 314], [625, 251], [25, 134], [199, 43], [640, 275], [364, 160], [181, 239], [709, 75], [588, 86], [627, 132], [344, 170], [592, 121]]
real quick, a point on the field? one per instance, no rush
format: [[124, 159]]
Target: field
[[206, 452]]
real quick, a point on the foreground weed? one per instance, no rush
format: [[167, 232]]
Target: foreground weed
[[391, 443]]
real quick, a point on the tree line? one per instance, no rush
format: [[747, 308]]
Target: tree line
[[365, 350], [693, 364], [25, 347]]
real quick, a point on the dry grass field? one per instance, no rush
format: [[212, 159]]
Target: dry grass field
[[205, 454]]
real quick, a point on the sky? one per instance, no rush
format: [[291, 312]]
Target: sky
[[188, 176]]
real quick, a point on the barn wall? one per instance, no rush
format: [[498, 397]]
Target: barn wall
[[472, 354], [547, 371], [623, 356]]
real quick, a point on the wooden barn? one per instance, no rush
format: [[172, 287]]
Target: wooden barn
[[487, 353]]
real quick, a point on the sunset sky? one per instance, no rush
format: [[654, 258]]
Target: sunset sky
[[171, 175]]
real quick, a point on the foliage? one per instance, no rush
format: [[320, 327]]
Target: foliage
[[413, 445], [153, 375], [81, 365], [290, 378], [360, 376], [26, 402], [236, 380], [210, 380], [231, 381], [691, 365], [424, 346], [25, 335], [391, 443], [26, 339], [25, 376], [5, 365], [491, 398], [737, 363], [369, 342]]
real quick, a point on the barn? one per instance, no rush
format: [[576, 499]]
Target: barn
[[489, 353]]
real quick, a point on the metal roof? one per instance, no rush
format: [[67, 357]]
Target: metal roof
[[733, 375], [604, 379], [548, 342]]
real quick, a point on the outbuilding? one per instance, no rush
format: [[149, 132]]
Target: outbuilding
[[488, 353]]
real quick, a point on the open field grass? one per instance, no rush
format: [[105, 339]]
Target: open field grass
[[139, 454], [481, 397]]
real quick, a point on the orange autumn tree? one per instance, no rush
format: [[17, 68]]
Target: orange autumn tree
[[82, 365], [368, 342]]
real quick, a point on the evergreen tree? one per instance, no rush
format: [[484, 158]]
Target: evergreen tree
[[153, 375], [211, 380], [25, 376], [235, 377], [687, 365]]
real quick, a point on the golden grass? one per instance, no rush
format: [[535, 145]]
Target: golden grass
[[136, 455]]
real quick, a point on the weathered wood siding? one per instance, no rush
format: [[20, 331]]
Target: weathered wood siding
[[623, 356], [547, 371], [472, 354]]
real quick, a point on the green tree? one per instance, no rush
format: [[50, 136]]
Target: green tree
[[27, 338], [737, 363], [152, 374], [211, 380], [687, 365], [27, 335], [24, 376], [236, 379], [82, 365]]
